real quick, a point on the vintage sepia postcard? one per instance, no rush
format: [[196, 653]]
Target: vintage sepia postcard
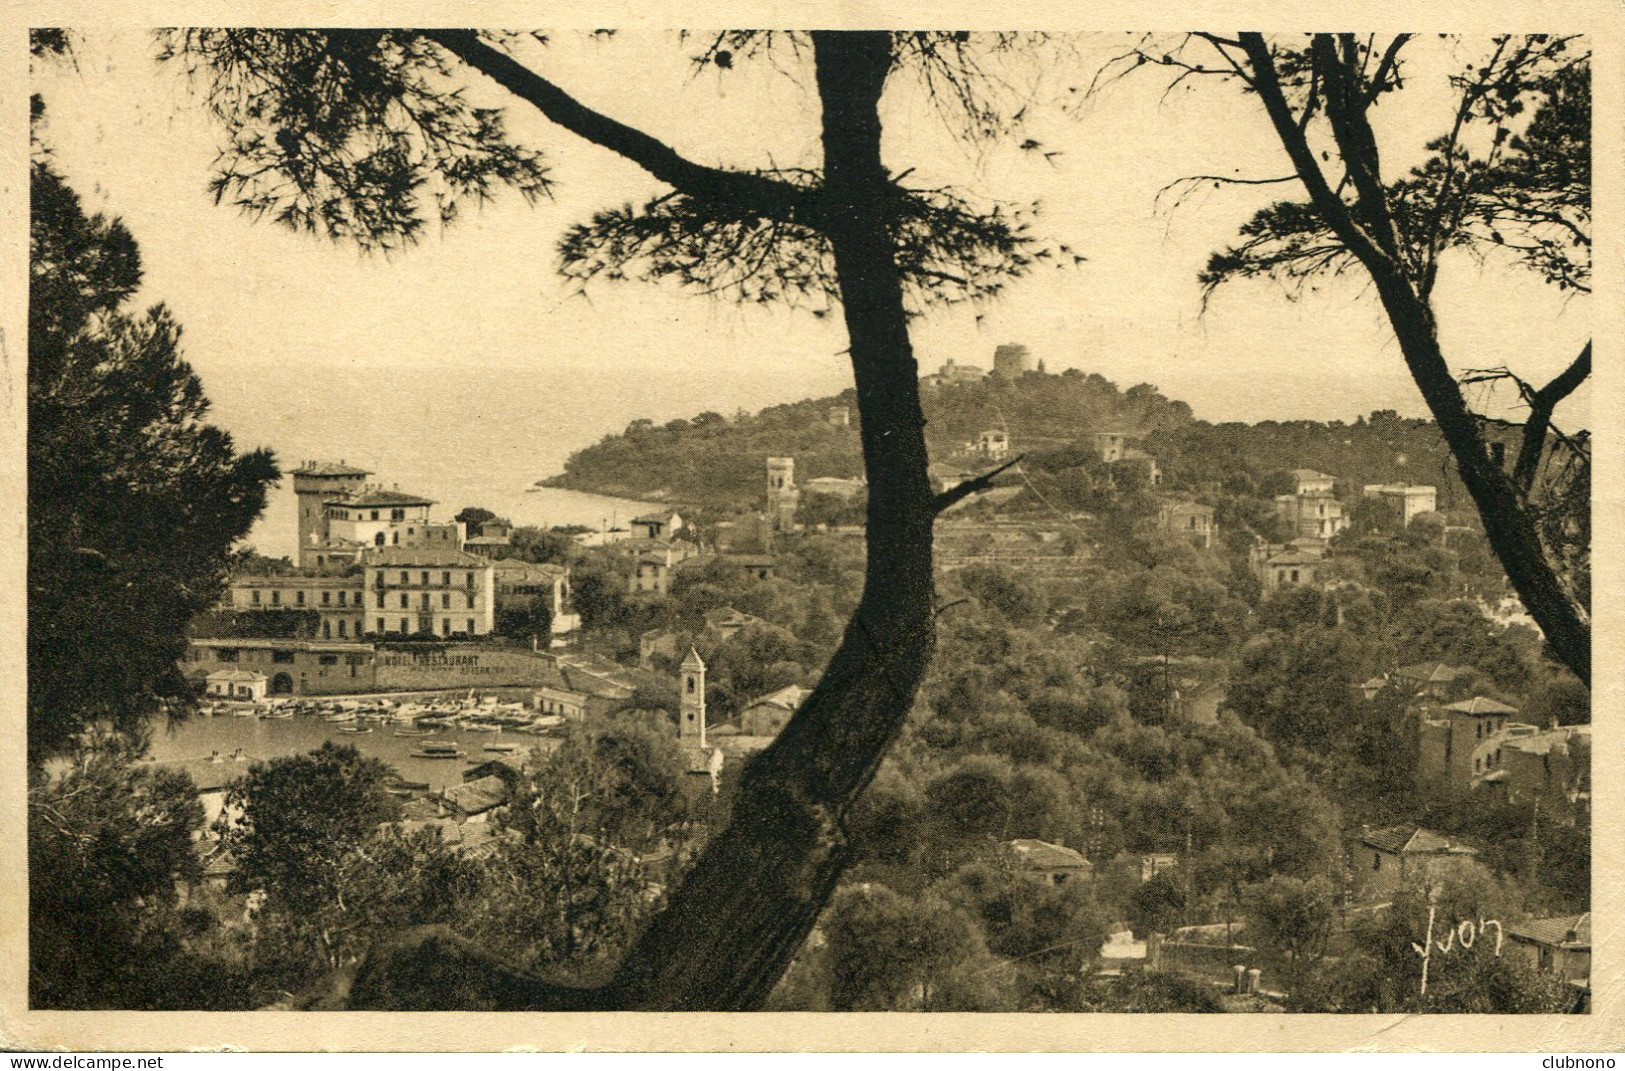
[[1032, 521]]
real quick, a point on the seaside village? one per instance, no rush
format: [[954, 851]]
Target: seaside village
[[402, 640]]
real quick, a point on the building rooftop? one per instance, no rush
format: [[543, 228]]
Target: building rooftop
[[236, 675], [297, 578], [425, 555], [479, 795], [788, 698], [1562, 931], [1480, 705], [1413, 840], [1043, 855], [329, 468], [516, 569], [378, 496], [693, 660], [1296, 557], [1542, 743], [1430, 673]]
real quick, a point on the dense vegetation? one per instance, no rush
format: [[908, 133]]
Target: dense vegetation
[[716, 461]]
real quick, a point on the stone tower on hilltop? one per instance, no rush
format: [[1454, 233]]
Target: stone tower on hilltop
[[1011, 360], [691, 702], [317, 482], [782, 494]]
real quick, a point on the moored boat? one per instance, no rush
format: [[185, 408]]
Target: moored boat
[[423, 753]]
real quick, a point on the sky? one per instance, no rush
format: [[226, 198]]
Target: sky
[[259, 303]]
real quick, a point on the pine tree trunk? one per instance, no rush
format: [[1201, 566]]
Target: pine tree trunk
[[731, 928], [1508, 524]]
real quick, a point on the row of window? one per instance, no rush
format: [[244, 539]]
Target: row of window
[[233, 654], [424, 581], [445, 626], [299, 597], [343, 595], [342, 630], [445, 601]]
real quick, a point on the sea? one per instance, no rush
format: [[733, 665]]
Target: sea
[[479, 434], [258, 739]]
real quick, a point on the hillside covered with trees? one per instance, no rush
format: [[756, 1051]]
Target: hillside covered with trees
[[717, 461]]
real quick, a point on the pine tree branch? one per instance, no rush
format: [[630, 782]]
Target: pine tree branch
[[1541, 405], [738, 190], [1266, 81], [960, 492]]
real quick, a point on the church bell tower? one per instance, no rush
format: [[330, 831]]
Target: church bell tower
[[691, 704]]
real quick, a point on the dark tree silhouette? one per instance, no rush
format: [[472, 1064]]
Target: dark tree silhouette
[[134, 502]]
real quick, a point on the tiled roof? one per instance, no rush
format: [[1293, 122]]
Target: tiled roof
[[1543, 742], [1430, 672], [330, 468], [1043, 855], [516, 570], [1309, 474], [787, 698], [1413, 840], [1567, 931], [473, 797], [236, 675], [310, 579], [221, 864], [426, 555], [380, 497], [1480, 705]]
